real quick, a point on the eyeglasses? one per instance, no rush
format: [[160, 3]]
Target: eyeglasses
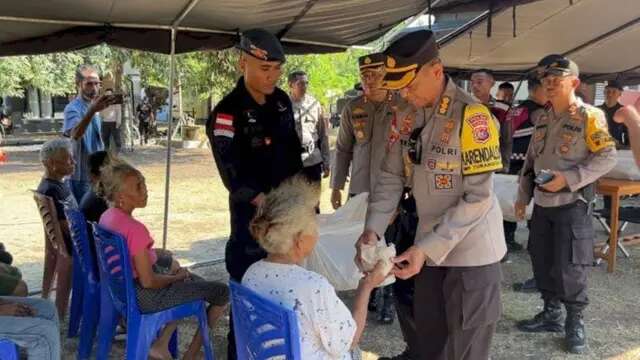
[[93, 83]]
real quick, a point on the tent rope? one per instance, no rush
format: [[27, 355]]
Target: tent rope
[[297, 18]]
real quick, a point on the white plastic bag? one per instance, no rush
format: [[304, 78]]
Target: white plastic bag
[[506, 189], [625, 168], [334, 253]]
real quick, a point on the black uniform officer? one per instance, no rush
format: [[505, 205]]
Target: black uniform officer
[[254, 143], [572, 141]]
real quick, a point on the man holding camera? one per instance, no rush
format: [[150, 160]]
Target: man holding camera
[[82, 125], [571, 148]]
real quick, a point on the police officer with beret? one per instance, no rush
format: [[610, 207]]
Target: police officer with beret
[[571, 148], [365, 124], [612, 93], [255, 145], [452, 150]]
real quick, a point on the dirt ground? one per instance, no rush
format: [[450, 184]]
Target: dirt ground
[[198, 226]]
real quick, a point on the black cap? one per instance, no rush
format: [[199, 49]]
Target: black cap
[[614, 84], [556, 65], [371, 61], [262, 45], [406, 55]]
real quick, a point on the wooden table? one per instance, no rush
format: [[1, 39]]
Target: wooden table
[[615, 188]]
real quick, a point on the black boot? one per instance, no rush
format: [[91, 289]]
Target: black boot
[[510, 236], [575, 337], [549, 320], [373, 301], [527, 286], [385, 316]]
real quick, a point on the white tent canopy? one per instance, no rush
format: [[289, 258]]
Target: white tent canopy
[[600, 36]]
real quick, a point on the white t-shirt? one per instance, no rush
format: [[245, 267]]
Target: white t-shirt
[[112, 114], [325, 323]]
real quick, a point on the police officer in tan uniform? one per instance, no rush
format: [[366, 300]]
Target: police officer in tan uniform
[[450, 153], [364, 129], [361, 145], [572, 142], [311, 127]]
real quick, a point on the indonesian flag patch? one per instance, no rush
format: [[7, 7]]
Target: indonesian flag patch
[[224, 126]]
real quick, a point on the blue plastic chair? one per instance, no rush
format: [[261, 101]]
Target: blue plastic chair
[[262, 328], [90, 303], [117, 284], [8, 350], [77, 283]]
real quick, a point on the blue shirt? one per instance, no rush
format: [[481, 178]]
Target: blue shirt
[[90, 141]]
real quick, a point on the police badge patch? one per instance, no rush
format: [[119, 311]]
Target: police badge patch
[[443, 182], [480, 127]]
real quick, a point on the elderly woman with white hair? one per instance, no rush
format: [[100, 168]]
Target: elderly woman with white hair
[[286, 228], [58, 163]]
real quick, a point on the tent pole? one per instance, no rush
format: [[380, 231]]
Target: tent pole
[[172, 74], [167, 176]]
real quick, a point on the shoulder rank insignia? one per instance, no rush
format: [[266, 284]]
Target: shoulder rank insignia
[[443, 107]]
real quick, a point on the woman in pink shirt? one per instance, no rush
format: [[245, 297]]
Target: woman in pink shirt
[[160, 281]]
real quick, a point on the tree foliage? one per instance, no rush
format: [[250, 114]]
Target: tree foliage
[[330, 75], [54, 73], [203, 75]]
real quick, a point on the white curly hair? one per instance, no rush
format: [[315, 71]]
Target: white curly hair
[[288, 210], [51, 148]]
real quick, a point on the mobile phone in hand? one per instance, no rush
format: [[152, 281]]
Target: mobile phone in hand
[[117, 99], [544, 177]]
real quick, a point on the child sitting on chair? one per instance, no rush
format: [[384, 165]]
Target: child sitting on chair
[[160, 281]]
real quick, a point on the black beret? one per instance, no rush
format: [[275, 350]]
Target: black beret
[[262, 45], [406, 55], [614, 84]]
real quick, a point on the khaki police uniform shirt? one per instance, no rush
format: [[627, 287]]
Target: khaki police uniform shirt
[[312, 131], [364, 129], [460, 222], [576, 143]]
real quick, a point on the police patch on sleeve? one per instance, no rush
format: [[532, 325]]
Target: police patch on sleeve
[[597, 132], [224, 126], [480, 141]]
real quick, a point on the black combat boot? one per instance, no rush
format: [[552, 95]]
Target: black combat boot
[[549, 320], [372, 306], [575, 337]]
